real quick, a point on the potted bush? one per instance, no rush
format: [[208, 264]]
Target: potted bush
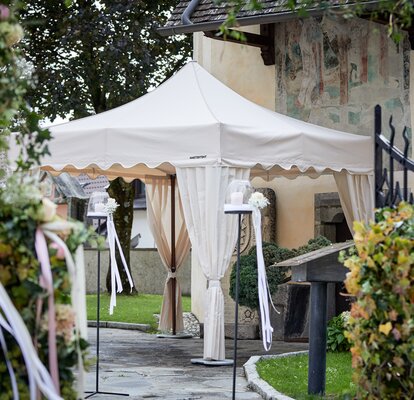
[[272, 254]]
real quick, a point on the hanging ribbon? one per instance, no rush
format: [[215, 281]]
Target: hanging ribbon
[[3, 344], [38, 375], [116, 283], [46, 281], [78, 293], [264, 295]]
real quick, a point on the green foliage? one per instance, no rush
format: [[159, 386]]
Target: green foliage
[[398, 13], [12, 86], [312, 245], [272, 254], [336, 341], [289, 375], [90, 57], [22, 211], [14, 83], [381, 327], [248, 290]]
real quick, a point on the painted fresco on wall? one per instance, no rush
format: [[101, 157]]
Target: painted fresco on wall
[[333, 72]]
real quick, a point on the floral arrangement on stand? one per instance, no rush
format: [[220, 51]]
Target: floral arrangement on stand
[[27, 217], [113, 241], [258, 200]]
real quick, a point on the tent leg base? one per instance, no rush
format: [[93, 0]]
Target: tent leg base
[[177, 336], [212, 363]]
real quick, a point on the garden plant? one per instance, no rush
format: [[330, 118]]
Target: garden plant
[[25, 214], [381, 327], [23, 210], [335, 338], [272, 254]]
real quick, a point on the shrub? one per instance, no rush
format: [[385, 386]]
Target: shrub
[[248, 290], [381, 326], [272, 254], [336, 340], [312, 245]]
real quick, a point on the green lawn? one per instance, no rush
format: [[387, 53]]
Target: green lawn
[[289, 376], [137, 309]]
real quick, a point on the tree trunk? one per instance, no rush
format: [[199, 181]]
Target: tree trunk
[[123, 193]]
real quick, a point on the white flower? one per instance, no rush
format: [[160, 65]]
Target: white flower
[[345, 316], [48, 210], [258, 200], [111, 206]]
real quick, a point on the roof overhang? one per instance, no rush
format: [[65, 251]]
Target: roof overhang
[[254, 20]]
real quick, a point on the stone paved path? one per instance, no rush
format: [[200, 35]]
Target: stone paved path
[[147, 367]]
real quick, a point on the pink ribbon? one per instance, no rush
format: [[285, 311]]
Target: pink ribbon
[[46, 281]]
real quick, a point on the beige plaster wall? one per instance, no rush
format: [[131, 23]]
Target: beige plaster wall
[[295, 206], [238, 66]]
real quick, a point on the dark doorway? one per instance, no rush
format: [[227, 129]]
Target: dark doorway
[[342, 231]]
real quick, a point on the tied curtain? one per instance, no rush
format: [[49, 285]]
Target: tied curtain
[[158, 194], [356, 193], [213, 236]]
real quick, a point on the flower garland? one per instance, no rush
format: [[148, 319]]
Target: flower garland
[[25, 217]]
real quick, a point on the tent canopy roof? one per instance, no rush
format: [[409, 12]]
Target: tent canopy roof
[[194, 119]]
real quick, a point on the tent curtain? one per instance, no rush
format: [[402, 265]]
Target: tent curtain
[[356, 193], [213, 236], [158, 194]]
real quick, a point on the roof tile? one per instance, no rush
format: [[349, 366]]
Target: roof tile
[[209, 11]]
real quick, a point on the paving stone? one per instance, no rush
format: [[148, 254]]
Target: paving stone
[[147, 367]]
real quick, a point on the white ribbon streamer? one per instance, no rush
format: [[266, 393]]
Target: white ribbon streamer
[[116, 283], [78, 292], [267, 329], [37, 373], [12, 375]]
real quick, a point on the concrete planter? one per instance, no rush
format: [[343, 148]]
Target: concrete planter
[[259, 385]]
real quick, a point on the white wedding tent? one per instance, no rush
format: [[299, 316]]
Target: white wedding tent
[[197, 128]]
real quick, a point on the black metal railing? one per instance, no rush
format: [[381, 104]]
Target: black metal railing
[[389, 191]]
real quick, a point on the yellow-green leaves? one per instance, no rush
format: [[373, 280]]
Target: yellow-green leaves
[[385, 328], [381, 327]]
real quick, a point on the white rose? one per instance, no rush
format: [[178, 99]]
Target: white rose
[[258, 200], [48, 210], [257, 196]]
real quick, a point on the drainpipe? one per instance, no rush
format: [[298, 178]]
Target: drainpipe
[[185, 18]]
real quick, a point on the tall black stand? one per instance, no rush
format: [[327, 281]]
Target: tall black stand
[[98, 314], [236, 309], [317, 339]]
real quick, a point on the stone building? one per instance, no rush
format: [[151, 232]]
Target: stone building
[[323, 69]]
